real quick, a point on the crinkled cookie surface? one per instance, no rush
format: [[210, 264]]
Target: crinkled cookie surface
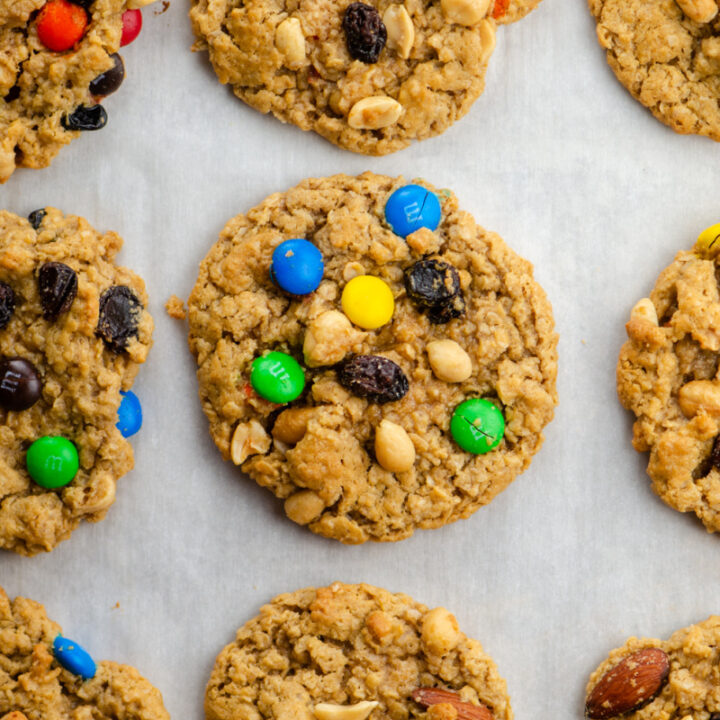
[[41, 87], [291, 58], [327, 473], [81, 378], [668, 61], [345, 644], [33, 685], [668, 375], [692, 688]]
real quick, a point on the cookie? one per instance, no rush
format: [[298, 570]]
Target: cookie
[[370, 78], [351, 652], [649, 679], [348, 402], [60, 59], [44, 675], [667, 374], [73, 333], [667, 54]]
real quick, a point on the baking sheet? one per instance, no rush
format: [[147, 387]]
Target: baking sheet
[[576, 555]]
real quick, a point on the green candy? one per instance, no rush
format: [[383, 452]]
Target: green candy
[[52, 461], [277, 377], [477, 426]]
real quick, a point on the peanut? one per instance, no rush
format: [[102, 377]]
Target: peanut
[[400, 30], [449, 361], [701, 11], [645, 309], [248, 439], [465, 12], [304, 506], [440, 632], [290, 41], [329, 337], [359, 711], [373, 113], [291, 425], [700, 396], [487, 38], [394, 449]]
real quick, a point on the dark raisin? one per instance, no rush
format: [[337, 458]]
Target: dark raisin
[[7, 304], [58, 286], [119, 317], [110, 80], [715, 454], [13, 93], [86, 118], [83, 3], [434, 285], [374, 377], [36, 217], [365, 32]]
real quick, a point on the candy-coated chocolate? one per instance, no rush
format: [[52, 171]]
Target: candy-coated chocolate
[[131, 26], [477, 425], [129, 414], [410, 208], [368, 302], [708, 241], [74, 657], [61, 24], [20, 384], [277, 377], [52, 461], [297, 266]]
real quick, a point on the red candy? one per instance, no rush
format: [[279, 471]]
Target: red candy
[[61, 24], [132, 25]]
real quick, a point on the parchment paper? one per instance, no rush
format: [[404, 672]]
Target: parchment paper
[[576, 555]]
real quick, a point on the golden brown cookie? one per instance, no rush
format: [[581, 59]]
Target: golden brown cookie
[[370, 78], [649, 679], [52, 90], [668, 376], [351, 652], [366, 451], [34, 683], [667, 54], [73, 333]]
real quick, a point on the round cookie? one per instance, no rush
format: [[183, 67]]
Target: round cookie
[[369, 78], [366, 451], [668, 375], [667, 54], [51, 96], [35, 684], [649, 679], [85, 337], [314, 653]]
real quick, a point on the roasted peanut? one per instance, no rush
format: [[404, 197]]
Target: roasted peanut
[[701, 11], [359, 711], [290, 41], [700, 396], [440, 632], [465, 12], [449, 361], [394, 449], [248, 439], [304, 506], [487, 38], [373, 113], [291, 425], [645, 309], [400, 30], [329, 337]]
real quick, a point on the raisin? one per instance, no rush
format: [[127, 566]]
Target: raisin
[[365, 32], [110, 80], [83, 3], [13, 94], [86, 118], [36, 217], [434, 285], [374, 377], [715, 454], [58, 286], [7, 304], [119, 317]]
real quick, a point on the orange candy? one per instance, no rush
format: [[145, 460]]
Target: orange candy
[[61, 24]]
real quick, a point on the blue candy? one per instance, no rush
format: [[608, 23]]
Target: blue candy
[[73, 657], [129, 414], [297, 266], [410, 208]]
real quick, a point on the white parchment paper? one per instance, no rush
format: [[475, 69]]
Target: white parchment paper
[[576, 555]]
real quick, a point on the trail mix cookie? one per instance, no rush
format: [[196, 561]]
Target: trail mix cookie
[[354, 652], [45, 675], [372, 356], [667, 54], [668, 375], [369, 77], [649, 679], [73, 332], [60, 59]]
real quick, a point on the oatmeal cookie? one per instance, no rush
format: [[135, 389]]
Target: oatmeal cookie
[[39, 674], [667, 54], [668, 375], [649, 679], [58, 59], [353, 652], [73, 332], [361, 447], [368, 77]]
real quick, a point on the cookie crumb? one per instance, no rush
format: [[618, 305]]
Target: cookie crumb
[[175, 308]]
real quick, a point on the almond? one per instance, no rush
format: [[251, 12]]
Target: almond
[[631, 683], [465, 710]]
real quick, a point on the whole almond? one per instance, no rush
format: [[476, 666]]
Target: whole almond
[[465, 710], [631, 683]]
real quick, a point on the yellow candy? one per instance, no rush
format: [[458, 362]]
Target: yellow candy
[[368, 302], [708, 242]]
